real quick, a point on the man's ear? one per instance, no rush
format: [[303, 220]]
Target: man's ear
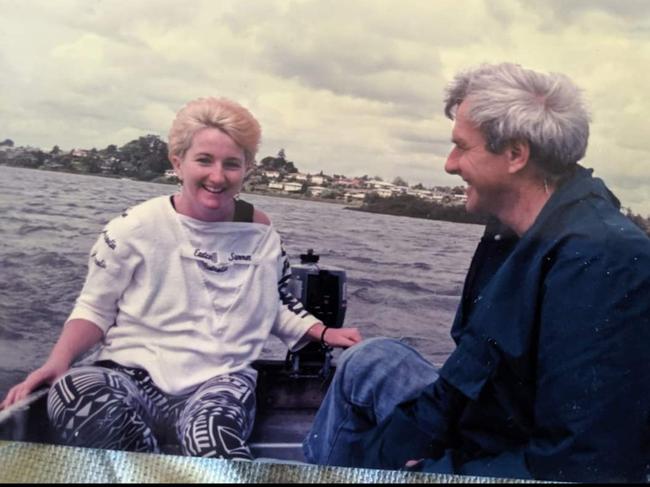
[[518, 152]]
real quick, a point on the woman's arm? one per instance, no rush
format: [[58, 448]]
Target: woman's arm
[[77, 337], [334, 337]]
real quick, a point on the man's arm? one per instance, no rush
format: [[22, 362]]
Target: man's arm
[[593, 380]]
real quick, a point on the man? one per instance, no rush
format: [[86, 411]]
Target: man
[[550, 378]]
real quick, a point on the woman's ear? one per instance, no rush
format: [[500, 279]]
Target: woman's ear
[[176, 165], [250, 167]]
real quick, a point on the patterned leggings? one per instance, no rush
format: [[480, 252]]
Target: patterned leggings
[[110, 406]]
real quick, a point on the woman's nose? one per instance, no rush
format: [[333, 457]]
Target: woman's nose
[[217, 174]]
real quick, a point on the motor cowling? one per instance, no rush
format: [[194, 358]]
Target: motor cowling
[[323, 292]]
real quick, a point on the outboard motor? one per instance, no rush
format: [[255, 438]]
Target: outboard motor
[[323, 292]]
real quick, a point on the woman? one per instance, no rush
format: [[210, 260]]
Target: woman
[[182, 291]]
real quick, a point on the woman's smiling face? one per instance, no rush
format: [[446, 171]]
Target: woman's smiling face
[[212, 171]]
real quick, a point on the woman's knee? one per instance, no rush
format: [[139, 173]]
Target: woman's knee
[[97, 407], [217, 427], [75, 384]]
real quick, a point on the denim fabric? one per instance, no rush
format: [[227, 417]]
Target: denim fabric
[[371, 379]]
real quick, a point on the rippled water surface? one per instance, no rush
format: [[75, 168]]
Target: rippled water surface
[[405, 275]]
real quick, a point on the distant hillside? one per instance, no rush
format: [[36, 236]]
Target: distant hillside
[[407, 205], [639, 221], [145, 158]]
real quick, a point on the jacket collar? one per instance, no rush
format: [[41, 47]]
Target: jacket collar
[[579, 187]]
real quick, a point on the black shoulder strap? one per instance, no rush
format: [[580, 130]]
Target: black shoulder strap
[[243, 212]]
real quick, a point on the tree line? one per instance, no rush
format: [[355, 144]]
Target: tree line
[[145, 158], [408, 205]]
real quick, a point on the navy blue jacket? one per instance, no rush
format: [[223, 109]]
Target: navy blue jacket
[[551, 375]]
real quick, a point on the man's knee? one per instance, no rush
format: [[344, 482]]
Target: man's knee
[[371, 353]]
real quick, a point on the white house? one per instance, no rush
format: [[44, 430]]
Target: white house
[[317, 190], [461, 198], [317, 179], [292, 187], [384, 192], [421, 193], [356, 195], [381, 185]]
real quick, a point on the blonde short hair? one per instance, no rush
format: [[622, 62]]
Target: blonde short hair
[[220, 113]]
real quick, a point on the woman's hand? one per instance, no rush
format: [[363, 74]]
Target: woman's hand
[[341, 337], [78, 336], [46, 374]]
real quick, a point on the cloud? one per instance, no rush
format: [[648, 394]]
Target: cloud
[[346, 87], [627, 10]]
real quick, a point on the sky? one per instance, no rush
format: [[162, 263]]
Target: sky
[[348, 87]]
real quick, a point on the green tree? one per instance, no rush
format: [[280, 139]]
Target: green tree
[[278, 164], [408, 205], [145, 157], [111, 150], [639, 221], [398, 181]]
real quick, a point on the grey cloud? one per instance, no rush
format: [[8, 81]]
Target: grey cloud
[[409, 91], [415, 143], [568, 11], [351, 48]]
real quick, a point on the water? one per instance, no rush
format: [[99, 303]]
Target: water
[[405, 275]]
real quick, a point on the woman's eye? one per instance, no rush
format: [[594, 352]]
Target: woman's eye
[[232, 164]]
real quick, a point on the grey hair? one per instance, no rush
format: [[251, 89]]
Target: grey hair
[[508, 103]]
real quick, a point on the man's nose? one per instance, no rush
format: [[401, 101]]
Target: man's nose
[[451, 164]]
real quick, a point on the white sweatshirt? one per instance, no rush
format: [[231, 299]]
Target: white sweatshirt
[[147, 289]]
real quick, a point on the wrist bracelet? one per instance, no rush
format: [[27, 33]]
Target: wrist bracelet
[[322, 337]]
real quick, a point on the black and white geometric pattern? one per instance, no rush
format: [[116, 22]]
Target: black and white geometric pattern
[[218, 418], [115, 407]]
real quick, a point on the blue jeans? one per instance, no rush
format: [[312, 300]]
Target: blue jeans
[[371, 379]]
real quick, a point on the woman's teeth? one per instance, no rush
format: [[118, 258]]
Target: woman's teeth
[[214, 190]]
